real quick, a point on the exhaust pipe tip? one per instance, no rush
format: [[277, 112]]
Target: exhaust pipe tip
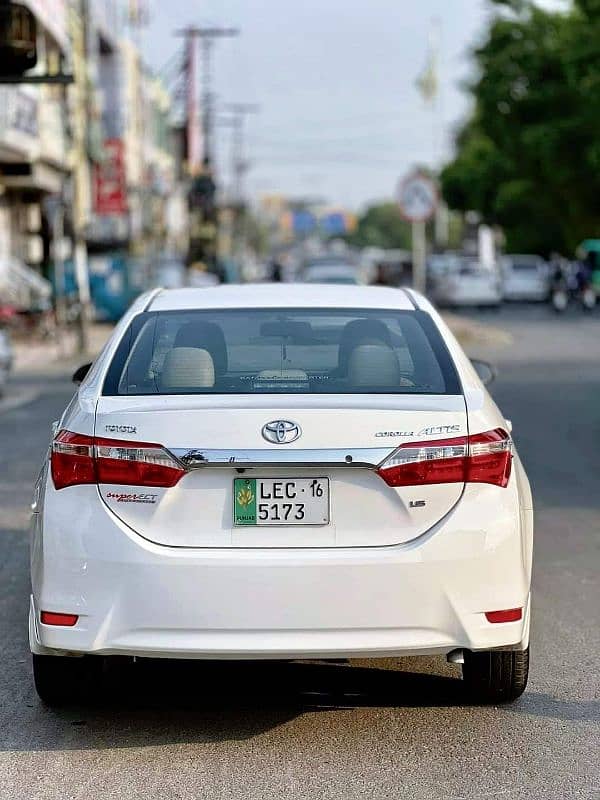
[[456, 657]]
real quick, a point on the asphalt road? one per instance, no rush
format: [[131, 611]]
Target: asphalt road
[[377, 730]]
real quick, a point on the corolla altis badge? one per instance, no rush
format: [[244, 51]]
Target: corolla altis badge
[[281, 431], [120, 429], [435, 430]]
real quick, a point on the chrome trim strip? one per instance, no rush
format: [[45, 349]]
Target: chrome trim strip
[[196, 458]]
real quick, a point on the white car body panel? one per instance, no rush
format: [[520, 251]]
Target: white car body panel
[[480, 287], [339, 274], [175, 578], [529, 282], [193, 422]]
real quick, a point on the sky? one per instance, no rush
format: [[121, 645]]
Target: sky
[[340, 115]]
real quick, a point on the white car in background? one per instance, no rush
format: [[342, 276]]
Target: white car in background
[[340, 273], [525, 278], [275, 472], [469, 285]]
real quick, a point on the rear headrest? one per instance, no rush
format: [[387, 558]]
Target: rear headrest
[[187, 368], [373, 365], [355, 333], [206, 335]]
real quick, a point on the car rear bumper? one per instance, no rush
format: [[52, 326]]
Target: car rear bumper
[[526, 295], [427, 596]]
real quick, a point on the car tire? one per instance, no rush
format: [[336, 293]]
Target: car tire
[[62, 680], [496, 676]]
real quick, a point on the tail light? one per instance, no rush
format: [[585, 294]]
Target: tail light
[[78, 459], [482, 458], [72, 460], [136, 464]]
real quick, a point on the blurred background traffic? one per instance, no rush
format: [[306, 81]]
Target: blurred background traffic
[[145, 145]]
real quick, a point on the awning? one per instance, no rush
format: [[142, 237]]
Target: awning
[[40, 176], [22, 287]]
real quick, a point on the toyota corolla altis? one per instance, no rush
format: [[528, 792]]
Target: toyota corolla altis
[[281, 472]]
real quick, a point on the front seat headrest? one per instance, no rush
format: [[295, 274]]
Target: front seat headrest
[[188, 368], [355, 333], [206, 335], [374, 366]]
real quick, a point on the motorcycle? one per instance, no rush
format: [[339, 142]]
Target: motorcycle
[[572, 285]]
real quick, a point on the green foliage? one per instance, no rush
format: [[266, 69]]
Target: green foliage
[[381, 226], [529, 158]]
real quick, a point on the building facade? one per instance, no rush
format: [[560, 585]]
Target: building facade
[[34, 147]]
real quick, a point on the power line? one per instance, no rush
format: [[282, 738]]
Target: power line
[[207, 37], [240, 164]]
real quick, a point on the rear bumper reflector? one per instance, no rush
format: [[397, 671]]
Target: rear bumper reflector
[[507, 615], [64, 620]]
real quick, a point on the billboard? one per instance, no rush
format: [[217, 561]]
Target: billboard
[[110, 183]]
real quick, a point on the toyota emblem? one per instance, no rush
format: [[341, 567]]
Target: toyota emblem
[[281, 431]]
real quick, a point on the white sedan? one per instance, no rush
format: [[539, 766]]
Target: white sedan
[[275, 472], [344, 274], [470, 285]]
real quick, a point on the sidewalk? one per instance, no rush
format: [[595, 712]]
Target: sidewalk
[[55, 356], [38, 361], [471, 333]]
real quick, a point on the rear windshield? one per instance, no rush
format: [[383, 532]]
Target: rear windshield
[[258, 351], [524, 266]]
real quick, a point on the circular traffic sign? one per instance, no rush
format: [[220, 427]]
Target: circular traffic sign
[[417, 197]]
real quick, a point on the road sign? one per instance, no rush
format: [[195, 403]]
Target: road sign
[[417, 197]]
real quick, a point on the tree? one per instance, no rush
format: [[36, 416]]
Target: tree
[[528, 159], [381, 226]]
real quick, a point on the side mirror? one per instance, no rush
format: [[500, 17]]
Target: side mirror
[[80, 373], [485, 371]]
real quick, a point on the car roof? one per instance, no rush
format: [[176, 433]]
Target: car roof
[[281, 295]]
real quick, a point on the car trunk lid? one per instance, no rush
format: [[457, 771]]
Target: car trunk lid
[[341, 441]]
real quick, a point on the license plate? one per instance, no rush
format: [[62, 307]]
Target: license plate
[[281, 501]]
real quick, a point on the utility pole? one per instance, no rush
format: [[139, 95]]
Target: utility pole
[[239, 164], [239, 167], [202, 206], [207, 38], [80, 178]]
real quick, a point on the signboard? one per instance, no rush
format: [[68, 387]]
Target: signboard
[[23, 112], [417, 197], [110, 183], [335, 223], [303, 221]]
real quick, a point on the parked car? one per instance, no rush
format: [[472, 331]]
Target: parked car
[[328, 477], [439, 266], [6, 358], [331, 273], [526, 278], [470, 285]]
